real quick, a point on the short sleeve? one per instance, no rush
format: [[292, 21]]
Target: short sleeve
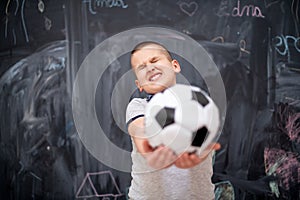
[[135, 109]]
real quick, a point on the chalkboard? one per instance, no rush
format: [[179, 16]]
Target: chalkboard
[[255, 45]]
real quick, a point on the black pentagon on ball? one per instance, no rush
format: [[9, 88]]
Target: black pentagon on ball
[[165, 116], [199, 136], [200, 97]]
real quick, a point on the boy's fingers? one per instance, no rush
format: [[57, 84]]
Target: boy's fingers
[[186, 160], [195, 158], [161, 157], [216, 146]]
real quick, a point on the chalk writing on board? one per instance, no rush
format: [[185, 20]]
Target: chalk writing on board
[[48, 23], [242, 46], [222, 9], [218, 38], [284, 43], [189, 8], [269, 3], [23, 21], [7, 21], [41, 6], [238, 10], [95, 4], [6, 18], [87, 182]]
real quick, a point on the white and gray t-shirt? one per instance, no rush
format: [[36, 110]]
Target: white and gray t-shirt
[[170, 183]]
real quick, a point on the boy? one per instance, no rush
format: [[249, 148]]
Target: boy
[[157, 173]]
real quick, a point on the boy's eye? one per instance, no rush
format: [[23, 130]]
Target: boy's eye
[[154, 60], [141, 67]]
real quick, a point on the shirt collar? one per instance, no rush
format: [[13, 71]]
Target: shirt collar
[[149, 97]]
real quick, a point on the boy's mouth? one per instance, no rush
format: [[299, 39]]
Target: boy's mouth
[[154, 77]]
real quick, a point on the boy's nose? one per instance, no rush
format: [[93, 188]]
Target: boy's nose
[[150, 67]]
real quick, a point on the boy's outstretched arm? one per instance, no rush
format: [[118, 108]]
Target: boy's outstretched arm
[[157, 158], [162, 156]]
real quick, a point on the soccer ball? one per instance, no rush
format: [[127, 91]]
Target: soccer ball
[[182, 117]]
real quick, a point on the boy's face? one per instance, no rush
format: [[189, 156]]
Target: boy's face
[[153, 69]]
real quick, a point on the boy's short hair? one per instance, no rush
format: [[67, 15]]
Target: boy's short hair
[[146, 43]]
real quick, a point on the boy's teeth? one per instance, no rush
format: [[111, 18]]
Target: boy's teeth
[[154, 77]]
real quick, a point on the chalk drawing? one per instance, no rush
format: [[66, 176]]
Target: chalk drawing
[[48, 23], [269, 3], [189, 8], [242, 46], [88, 181], [295, 13], [220, 38], [41, 6], [17, 7], [93, 5], [222, 10], [6, 17], [23, 21]]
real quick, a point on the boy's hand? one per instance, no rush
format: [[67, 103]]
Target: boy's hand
[[160, 157], [188, 160]]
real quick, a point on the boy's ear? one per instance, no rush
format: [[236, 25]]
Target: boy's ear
[[137, 83], [176, 66]]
